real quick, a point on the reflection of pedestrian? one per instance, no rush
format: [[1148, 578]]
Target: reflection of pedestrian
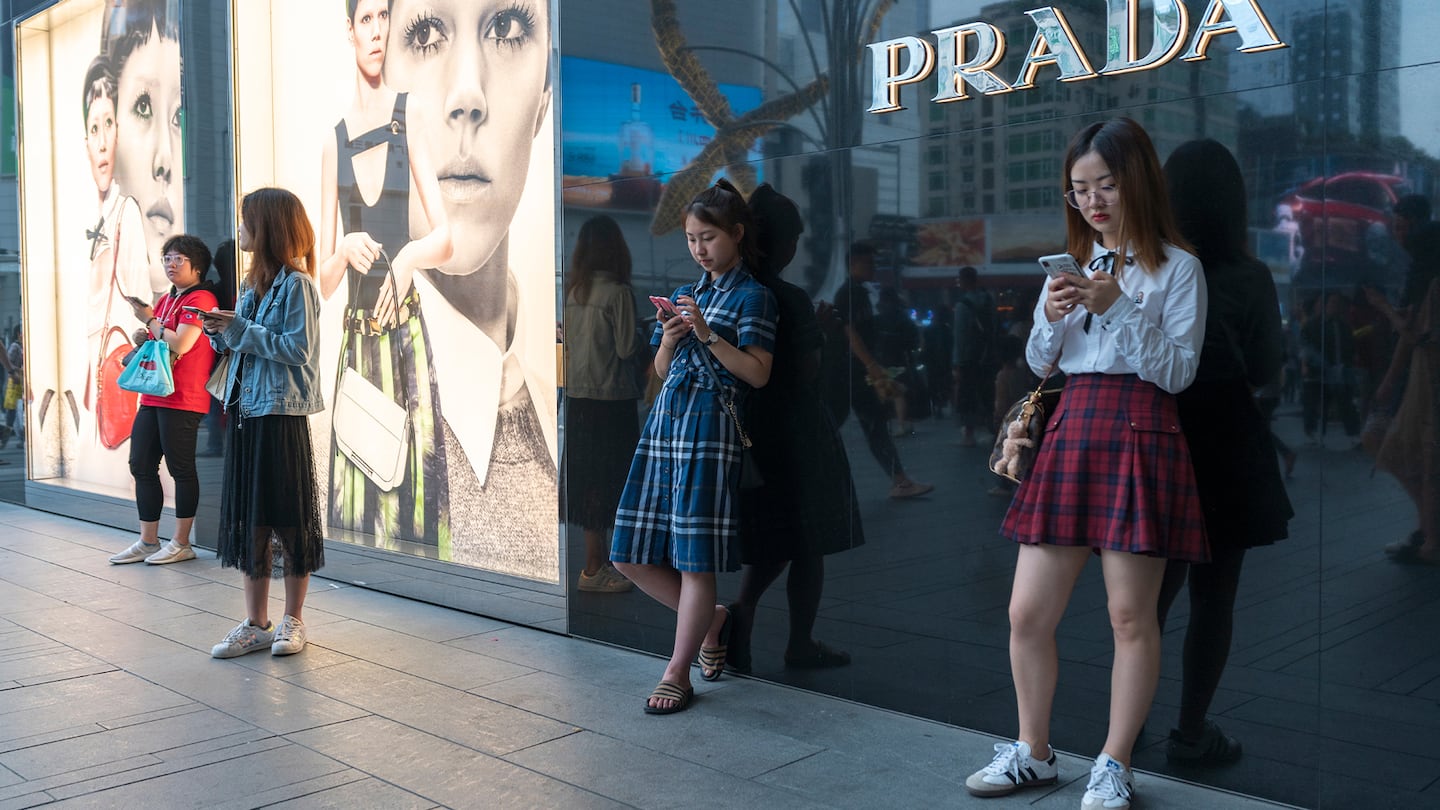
[[1114, 475], [975, 353], [479, 99], [269, 494], [166, 426], [1236, 473], [806, 507], [677, 523], [864, 373], [1327, 367], [367, 172], [601, 392]]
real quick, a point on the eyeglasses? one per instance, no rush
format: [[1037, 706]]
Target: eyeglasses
[[1105, 194], [174, 259]]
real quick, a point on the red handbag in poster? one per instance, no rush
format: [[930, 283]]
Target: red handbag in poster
[[114, 406]]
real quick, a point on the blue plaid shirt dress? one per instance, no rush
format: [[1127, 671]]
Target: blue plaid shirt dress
[[681, 499]]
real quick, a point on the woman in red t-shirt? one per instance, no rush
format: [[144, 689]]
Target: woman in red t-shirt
[[167, 426]]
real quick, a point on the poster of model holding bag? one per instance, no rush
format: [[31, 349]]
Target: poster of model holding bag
[[377, 185], [102, 197]]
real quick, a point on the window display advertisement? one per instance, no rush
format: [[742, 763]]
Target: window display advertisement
[[101, 191], [419, 136]]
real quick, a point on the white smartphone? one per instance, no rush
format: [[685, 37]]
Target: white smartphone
[[1060, 263]]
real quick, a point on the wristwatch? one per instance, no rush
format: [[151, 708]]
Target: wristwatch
[[713, 339]]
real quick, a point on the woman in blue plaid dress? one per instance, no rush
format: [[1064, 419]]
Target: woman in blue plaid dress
[[1114, 475], [677, 523]]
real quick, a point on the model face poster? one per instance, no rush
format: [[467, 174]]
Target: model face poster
[[102, 190], [419, 137]]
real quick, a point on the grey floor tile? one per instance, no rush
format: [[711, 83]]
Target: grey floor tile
[[359, 794], [440, 770], [470, 720], [106, 639], [9, 777], [722, 712], [270, 703], [382, 610], [608, 766], [28, 800], [600, 664], [156, 737], [198, 786], [445, 664], [56, 705]]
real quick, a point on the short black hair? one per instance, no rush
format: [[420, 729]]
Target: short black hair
[[1414, 207], [99, 83], [861, 249], [192, 248]]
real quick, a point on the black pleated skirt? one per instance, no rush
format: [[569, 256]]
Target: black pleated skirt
[[269, 512], [600, 440]]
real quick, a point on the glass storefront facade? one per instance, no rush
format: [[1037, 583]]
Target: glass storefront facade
[[1331, 683]]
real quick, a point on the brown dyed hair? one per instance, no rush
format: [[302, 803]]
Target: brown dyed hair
[[1146, 222], [723, 206], [280, 236], [600, 249]]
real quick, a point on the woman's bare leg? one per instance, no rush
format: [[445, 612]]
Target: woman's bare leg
[[698, 619], [1132, 589], [1044, 578]]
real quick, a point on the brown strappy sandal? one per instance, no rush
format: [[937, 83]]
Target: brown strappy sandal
[[667, 690]]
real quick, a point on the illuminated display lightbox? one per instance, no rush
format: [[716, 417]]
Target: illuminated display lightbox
[[101, 190], [417, 153], [629, 124]]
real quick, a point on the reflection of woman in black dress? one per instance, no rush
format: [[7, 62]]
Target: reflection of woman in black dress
[[366, 182], [806, 507]]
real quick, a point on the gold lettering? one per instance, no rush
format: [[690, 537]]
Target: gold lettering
[[955, 71], [1123, 35], [886, 76], [1243, 17], [1054, 44]]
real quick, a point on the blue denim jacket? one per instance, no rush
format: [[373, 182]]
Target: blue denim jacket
[[279, 345]]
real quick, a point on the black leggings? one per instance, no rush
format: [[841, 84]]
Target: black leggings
[[170, 433], [1212, 617]]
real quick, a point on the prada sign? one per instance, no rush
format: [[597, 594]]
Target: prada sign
[[964, 56]]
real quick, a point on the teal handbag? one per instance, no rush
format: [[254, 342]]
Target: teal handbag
[[149, 371]]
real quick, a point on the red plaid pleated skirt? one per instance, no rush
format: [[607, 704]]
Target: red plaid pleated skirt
[[1113, 473]]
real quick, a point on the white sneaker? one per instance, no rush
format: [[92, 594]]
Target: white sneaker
[[1011, 769], [605, 580], [137, 552], [289, 637], [1111, 787], [171, 552], [245, 638]]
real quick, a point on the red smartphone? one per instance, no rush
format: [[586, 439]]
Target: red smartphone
[[665, 305]]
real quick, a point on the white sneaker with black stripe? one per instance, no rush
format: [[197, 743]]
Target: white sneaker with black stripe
[[1112, 786], [1011, 769]]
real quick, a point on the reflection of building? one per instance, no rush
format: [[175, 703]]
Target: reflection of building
[[993, 154]]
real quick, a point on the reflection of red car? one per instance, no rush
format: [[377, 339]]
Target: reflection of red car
[[1336, 214]]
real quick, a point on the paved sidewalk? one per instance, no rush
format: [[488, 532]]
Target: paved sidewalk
[[109, 698]]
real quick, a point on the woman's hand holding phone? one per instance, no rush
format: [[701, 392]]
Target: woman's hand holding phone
[[664, 307], [214, 320]]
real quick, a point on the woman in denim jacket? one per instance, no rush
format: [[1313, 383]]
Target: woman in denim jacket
[[270, 500]]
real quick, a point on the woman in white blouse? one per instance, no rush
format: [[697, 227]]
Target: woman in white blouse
[[1113, 477]]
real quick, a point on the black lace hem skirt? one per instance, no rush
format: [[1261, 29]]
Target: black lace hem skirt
[[269, 510]]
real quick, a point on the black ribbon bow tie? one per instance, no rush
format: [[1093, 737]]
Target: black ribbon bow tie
[[96, 237]]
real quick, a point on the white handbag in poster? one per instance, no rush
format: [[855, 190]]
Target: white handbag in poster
[[371, 430]]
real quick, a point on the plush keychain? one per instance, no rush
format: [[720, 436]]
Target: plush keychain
[[1016, 437]]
